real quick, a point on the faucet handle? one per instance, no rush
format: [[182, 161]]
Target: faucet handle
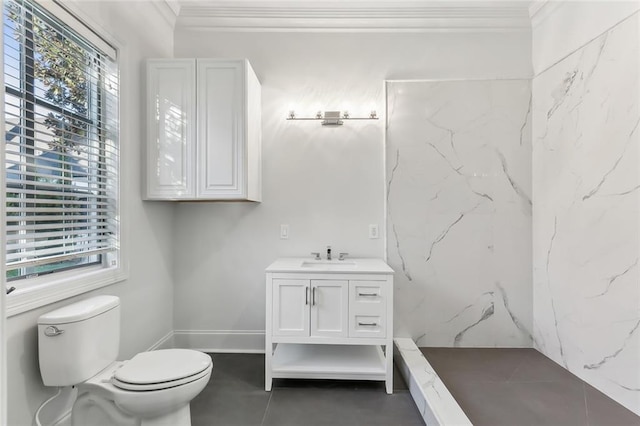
[[343, 256], [316, 256]]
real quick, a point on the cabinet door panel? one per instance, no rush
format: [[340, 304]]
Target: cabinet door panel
[[170, 129], [291, 307], [221, 153], [329, 308]]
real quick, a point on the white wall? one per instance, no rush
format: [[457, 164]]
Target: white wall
[[327, 183], [586, 204], [459, 211], [146, 297]]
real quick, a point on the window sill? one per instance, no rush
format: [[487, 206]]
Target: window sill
[[47, 289]]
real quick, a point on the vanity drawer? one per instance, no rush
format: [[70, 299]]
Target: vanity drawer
[[367, 326], [367, 309]]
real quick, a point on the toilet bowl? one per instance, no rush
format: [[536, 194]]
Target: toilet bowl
[[153, 388], [77, 347]]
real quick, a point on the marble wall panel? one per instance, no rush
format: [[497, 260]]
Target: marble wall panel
[[586, 233], [458, 157]]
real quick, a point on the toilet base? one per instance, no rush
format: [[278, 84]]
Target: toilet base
[[180, 417], [95, 410]]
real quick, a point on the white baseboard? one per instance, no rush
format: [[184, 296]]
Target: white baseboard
[[229, 341]]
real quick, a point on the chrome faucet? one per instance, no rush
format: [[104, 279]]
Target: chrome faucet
[[328, 252]]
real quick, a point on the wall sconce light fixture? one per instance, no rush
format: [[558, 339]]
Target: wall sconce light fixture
[[332, 118]]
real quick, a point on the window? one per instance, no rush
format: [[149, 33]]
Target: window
[[61, 148]]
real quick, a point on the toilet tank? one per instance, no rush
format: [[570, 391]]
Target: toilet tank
[[76, 341]]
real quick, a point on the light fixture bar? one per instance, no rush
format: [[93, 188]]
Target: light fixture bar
[[332, 118]]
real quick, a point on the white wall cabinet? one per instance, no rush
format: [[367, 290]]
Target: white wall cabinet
[[329, 320], [203, 130]]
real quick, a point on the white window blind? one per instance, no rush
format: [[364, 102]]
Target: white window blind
[[61, 145]]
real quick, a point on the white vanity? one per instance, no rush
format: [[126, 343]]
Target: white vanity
[[329, 320]]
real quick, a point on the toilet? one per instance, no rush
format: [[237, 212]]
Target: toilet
[[78, 345]]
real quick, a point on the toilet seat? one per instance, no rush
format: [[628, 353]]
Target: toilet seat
[[161, 369]]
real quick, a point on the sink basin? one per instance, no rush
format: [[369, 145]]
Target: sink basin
[[329, 265]]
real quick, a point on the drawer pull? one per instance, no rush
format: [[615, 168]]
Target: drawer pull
[[368, 294], [367, 324]]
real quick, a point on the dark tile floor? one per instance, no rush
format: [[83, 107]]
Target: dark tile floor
[[235, 395], [517, 387]]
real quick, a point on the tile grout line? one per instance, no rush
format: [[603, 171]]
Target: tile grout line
[[264, 416], [586, 406], [515, 370]]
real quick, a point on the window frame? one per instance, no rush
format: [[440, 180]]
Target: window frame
[[50, 288]]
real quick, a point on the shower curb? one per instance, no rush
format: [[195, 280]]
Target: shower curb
[[434, 401]]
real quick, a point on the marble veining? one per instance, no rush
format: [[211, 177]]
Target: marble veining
[[615, 277], [616, 353], [459, 211], [487, 312], [516, 187], [443, 234], [514, 318], [586, 229]]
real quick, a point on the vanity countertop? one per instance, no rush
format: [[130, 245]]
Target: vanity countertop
[[347, 266]]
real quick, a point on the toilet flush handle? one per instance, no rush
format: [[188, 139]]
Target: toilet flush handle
[[52, 331]]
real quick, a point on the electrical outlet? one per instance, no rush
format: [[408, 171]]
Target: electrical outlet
[[373, 232], [284, 232]]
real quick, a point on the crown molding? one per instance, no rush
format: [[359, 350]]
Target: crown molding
[[354, 15], [169, 9]]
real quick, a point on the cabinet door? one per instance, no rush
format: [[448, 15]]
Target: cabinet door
[[221, 112], [329, 308], [291, 301], [171, 129]]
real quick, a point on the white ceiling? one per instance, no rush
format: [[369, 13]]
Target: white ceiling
[[353, 15]]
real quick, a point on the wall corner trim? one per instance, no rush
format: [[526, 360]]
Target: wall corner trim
[[540, 10], [165, 342]]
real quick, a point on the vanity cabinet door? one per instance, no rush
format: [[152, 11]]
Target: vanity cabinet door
[[329, 308], [291, 303]]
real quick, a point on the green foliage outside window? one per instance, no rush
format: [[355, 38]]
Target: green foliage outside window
[[60, 65]]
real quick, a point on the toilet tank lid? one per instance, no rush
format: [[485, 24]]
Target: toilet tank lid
[[80, 311]]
